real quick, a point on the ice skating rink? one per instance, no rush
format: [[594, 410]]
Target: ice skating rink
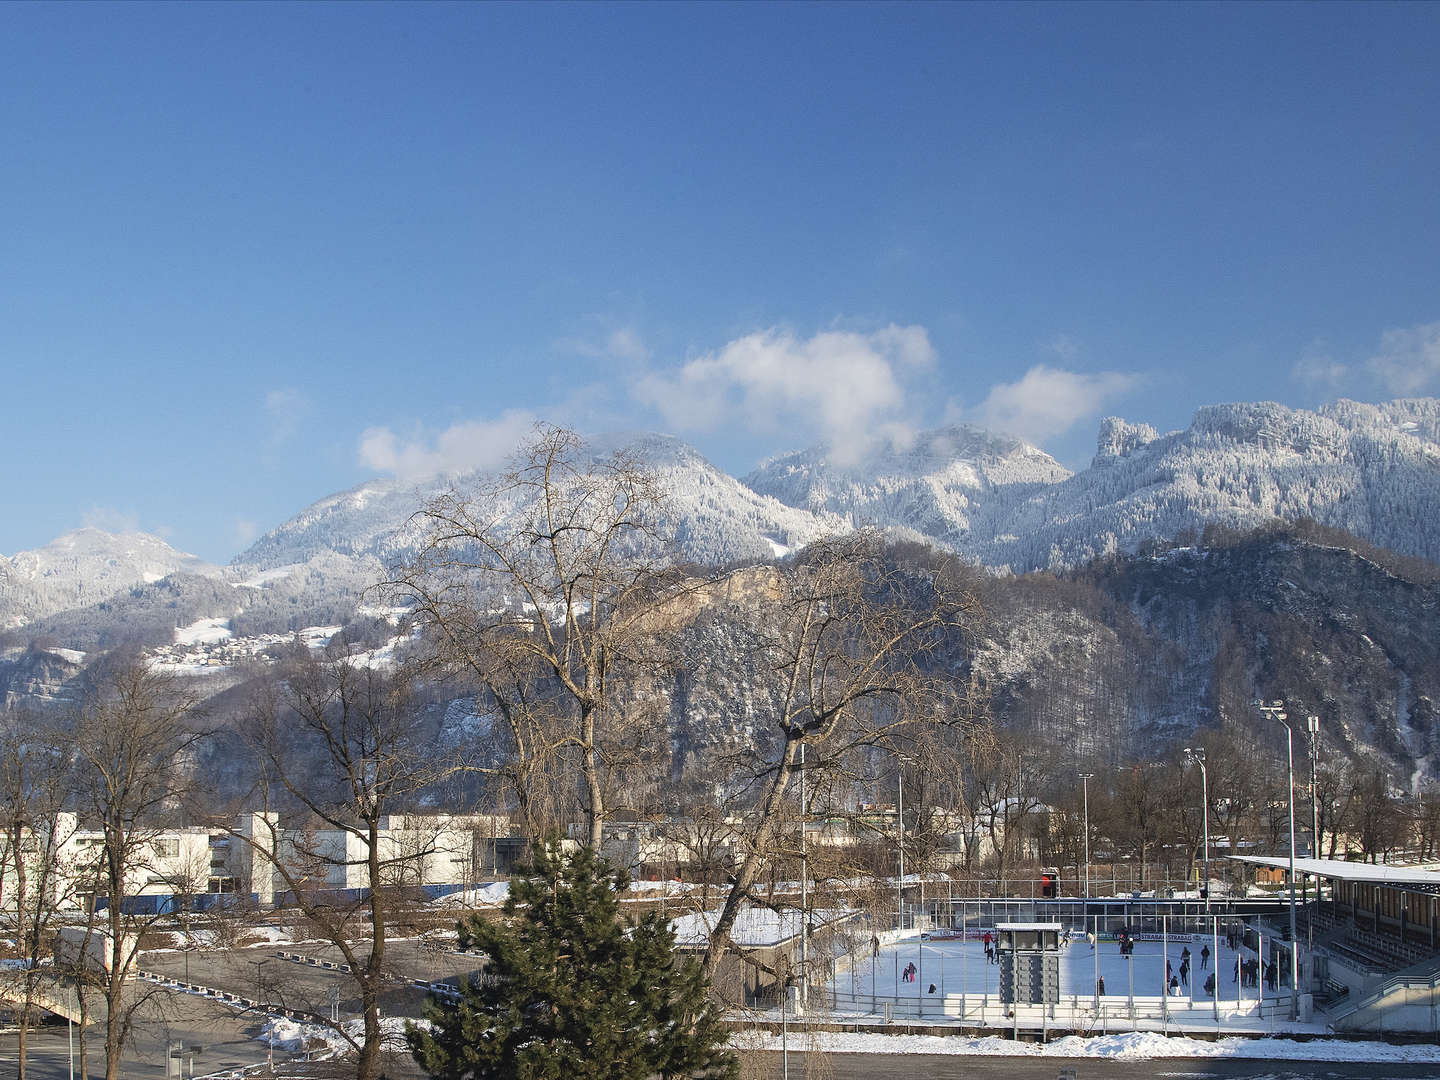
[[956, 966]]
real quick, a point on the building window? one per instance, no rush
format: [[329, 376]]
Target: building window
[[166, 847]]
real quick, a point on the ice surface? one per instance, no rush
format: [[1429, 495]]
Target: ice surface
[[960, 967]]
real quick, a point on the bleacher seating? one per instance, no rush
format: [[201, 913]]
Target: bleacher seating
[[1392, 952]]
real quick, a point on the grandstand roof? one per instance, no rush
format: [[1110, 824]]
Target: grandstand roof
[[1398, 877]]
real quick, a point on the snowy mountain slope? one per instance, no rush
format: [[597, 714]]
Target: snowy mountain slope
[[954, 485], [85, 567], [1372, 470], [717, 519]]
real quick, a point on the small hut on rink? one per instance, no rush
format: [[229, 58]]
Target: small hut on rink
[[1029, 956], [770, 951]]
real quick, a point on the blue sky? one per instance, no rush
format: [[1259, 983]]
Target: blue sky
[[255, 254]]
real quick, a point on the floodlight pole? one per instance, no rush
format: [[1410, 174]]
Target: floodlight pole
[[1312, 724], [1197, 755], [900, 844], [804, 895], [1085, 778], [1275, 710]]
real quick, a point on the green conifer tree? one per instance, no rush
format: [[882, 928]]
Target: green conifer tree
[[572, 989]]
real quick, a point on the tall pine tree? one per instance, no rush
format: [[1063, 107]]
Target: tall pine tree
[[572, 989]]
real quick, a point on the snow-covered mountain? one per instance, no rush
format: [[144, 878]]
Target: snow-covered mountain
[[717, 519], [954, 485], [1372, 470], [85, 567]]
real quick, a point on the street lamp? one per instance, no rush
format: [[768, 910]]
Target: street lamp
[[1275, 710], [900, 844], [1197, 755], [1085, 778], [1312, 724]]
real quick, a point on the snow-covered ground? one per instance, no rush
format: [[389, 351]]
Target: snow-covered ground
[[285, 1034], [754, 927], [1133, 1045], [203, 632]]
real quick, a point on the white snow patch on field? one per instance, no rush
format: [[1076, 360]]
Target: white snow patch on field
[[1136, 1046], [260, 580], [203, 632]]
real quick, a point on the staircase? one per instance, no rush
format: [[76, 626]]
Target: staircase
[[1407, 1002]]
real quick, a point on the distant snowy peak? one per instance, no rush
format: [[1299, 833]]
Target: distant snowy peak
[[1372, 470], [1118, 439], [85, 567], [716, 518], [945, 485]]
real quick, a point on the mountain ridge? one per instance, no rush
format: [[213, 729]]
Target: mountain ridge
[[1370, 469]]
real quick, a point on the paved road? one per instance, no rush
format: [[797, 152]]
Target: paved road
[[226, 1039], [258, 973], [768, 1064]]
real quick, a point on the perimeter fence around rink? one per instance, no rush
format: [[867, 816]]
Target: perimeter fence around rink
[[943, 976], [1072, 1013]]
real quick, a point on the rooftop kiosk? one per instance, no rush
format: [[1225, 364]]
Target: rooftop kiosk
[[1029, 955]]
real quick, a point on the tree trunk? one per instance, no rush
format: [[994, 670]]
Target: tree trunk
[[590, 763], [750, 867], [368, 1065]]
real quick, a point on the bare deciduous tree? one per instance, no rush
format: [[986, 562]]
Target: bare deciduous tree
[[340, 745], [549, 592], [36, 879], [848, 645], [132, 741]]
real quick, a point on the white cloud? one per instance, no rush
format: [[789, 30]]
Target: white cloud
[[842, 385], [624, 344], [1047, 401], [244, 532], [1408, 360], [1318, 368], [285, 408], [1065, 347], [470, 444], [109, 519]]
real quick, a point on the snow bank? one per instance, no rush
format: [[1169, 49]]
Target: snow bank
[[1134, 1046], [280, 1033], [203, 632]]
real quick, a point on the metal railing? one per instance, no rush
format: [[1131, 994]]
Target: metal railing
[[1388, 987], [1071, 1012]]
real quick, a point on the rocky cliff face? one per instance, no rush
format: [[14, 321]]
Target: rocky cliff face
[[37, 677], [1134, 652]]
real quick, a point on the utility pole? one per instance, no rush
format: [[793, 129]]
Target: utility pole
[[804, 895], [1197, 755], [900, 844], [1275, 710], [1312, 724], [1085, 778]]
